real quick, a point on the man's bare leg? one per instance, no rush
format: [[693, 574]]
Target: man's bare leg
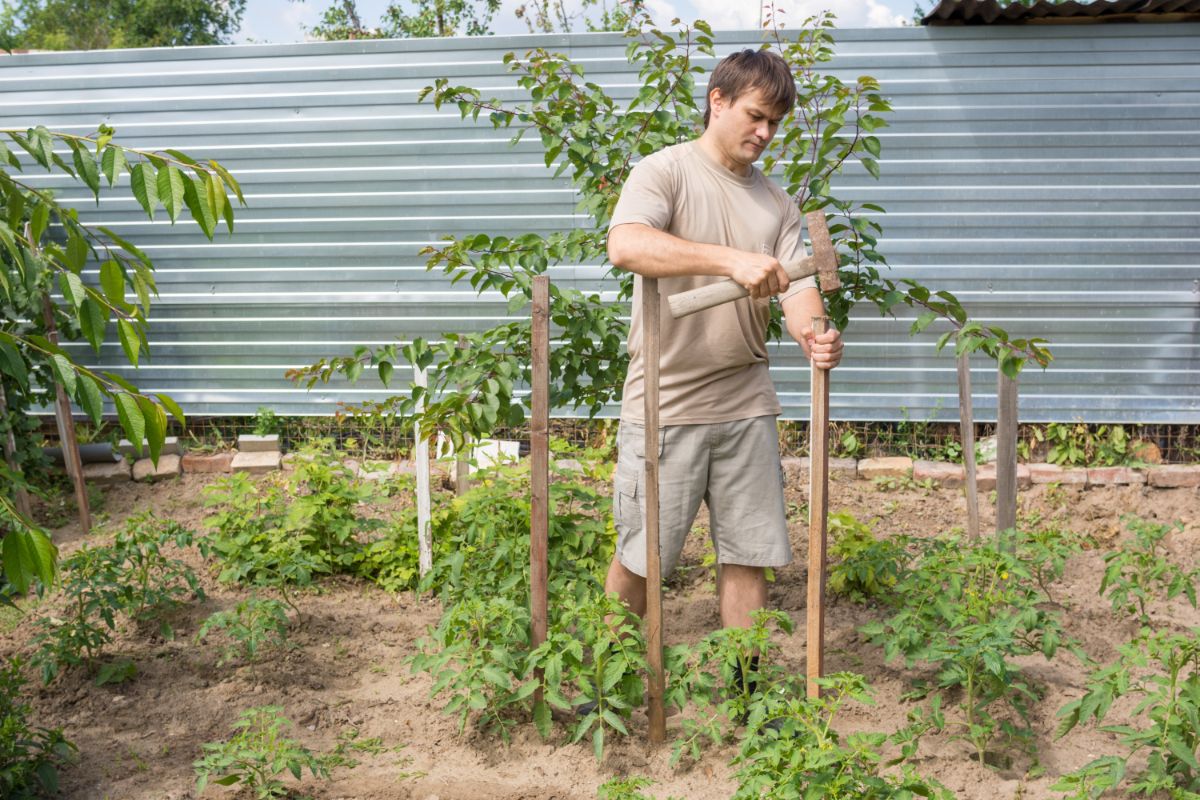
[[627, 585], [741, 590]]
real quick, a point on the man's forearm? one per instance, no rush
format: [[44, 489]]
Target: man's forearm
[[799, 309], [656, 254]]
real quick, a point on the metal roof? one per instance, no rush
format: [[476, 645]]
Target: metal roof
[[991, 12]]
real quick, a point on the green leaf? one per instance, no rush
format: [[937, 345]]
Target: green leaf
[[129, 340], [130, 417], [64, 372], [199, 209], [85, 165], [170, 405], [13, 365], [91, 399], [171, 190], [28, 553], [77, 251], [156, 425], [113, 163], [72, 288], [112, 281], [144, 184], [229, 180], [93, 317], [39, 220], [385, 372]]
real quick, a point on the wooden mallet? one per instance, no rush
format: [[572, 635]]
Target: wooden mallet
[[823, 263]]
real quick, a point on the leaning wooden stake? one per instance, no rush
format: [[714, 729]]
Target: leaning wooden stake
[[539, 450], [818, 514], [66, 428], [655, 681], [20, 495], [1006, 458], [966, 417], [424, 523]]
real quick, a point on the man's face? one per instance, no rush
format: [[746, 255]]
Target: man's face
[[744, 128]]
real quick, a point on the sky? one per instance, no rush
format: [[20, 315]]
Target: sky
[[281, 21]]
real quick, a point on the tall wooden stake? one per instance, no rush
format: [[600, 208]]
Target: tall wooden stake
[[539, 478], [1006, 457], [66, 428], [462, 466], [966, 416], [655, 680], [20, 495], [818, 513], [424, 522]]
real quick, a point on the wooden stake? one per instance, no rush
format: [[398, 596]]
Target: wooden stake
[[462, 466], [539, 479], [66, 427], [1006, 457], [20, 495], [966, 416], [655, 680], [818, 513], [424, 522]]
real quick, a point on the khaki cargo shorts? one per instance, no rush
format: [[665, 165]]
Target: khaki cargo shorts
[[733, 467]]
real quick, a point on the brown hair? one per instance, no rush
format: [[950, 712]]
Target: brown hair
[[739, 73]]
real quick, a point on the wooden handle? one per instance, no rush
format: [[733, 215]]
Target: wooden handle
[[822, 262], [728, 290]]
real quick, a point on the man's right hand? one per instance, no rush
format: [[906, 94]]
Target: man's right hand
[[761, 275]]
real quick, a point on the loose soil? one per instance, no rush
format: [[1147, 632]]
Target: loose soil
[[137, 741]]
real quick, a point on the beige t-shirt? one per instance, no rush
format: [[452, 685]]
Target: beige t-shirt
[[713, 364]]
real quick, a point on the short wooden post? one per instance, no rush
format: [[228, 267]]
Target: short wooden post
[[818, 514], [66, 427], [655, 680], [1006, 458], [539, 451], [424, 521], [20, 495], [966, 416]]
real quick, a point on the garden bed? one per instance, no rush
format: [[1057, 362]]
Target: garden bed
[[346, 668]]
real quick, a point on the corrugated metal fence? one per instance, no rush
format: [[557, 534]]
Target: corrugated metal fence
[[1049, 176]]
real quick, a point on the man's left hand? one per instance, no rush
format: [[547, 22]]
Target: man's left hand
[[824, 350]]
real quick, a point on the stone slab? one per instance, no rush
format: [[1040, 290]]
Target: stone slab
[[106, 474], [568, 465], [170, 447], [168, 467], [889, 467], [379, 470], [256, 463], [838, 467], [1053, 473], [249, 443], [1174, 476], [1115, 476], [941, 473], [985, 477], [208, 462]]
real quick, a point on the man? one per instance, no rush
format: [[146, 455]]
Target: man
[[689, 215]]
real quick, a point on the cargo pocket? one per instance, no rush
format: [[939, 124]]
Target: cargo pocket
[[626, 511]]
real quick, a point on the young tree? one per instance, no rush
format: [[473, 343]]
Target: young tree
[[408, 19], [589, 135], [43, 245], [101, 24]]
